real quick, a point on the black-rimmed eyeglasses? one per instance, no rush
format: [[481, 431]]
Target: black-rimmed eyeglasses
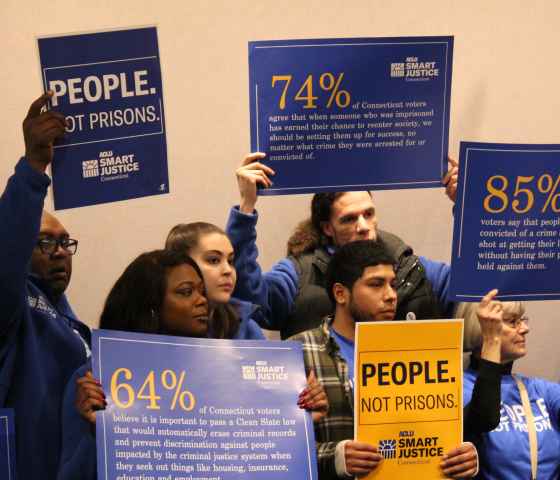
[[50, 245]]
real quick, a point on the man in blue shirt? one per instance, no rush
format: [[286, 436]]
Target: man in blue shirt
[[41, 341]]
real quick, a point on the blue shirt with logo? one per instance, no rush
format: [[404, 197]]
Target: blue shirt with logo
[[504, 453], [39, 347]]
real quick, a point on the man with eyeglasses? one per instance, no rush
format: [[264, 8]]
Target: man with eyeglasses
[[41, 341]]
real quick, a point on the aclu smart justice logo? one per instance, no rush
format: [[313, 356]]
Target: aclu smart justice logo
[[110, 166], [414, 70], [263, 373], [409, 448]]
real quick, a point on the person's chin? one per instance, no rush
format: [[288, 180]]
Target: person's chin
[[201, 327], [221, 297], [58, 285]]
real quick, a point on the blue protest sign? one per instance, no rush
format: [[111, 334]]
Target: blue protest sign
[[7, 444], [108, 85], [351, 114], [197, 408], [507, 219]]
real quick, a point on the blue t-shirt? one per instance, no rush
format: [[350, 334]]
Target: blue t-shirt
[[504, 453], [346, 352]]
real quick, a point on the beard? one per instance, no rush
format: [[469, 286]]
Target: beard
[[360, 315]]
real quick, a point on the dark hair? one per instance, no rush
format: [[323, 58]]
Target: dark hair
[[134, 303], [183, 237], [349, 262], [321, 205]]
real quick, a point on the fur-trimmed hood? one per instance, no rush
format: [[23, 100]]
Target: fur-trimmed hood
[[304, 239]]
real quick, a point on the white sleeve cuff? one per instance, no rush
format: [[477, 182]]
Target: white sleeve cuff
[[340, 459]]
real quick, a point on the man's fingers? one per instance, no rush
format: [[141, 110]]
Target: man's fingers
[[361, 457], [253, 157], [453, 162], [37, 105], [49, 135], [55, 118], [361, 467], [361, 446], [465, 470], [488, 297]]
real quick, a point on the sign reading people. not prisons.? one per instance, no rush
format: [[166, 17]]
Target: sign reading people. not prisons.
[[408, 394], [108, 86]]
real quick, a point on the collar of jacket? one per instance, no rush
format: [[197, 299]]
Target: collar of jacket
[[326, 338], [394, 245]]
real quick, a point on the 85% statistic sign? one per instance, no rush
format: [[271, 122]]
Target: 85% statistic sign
[[507, 220]]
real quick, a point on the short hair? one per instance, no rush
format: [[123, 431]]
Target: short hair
[[135, 302], [472, 337], [224, 322], [349, 262], [185, 236]]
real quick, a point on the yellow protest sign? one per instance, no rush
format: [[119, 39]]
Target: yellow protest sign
[[408, 394]]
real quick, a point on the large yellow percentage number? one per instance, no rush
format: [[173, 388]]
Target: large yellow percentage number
[[327, 82], [496, 192], [498, 197], [147, 391], [117, 387], [309, 99], [524, 191], [282, 78], [152, 397]]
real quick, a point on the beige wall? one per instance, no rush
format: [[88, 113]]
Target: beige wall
[[505, 89]]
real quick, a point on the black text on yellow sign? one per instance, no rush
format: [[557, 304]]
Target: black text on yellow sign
[[408, 398]]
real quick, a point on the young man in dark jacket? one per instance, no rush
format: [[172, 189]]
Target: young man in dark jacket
[[293, 293]]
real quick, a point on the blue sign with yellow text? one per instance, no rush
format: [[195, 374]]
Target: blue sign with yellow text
[[108, 85], [185, 408], [507, 220], [351, 114]]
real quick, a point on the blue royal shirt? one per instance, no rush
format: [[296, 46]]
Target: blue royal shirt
[[39, 347], [504, 453], [347, 348]]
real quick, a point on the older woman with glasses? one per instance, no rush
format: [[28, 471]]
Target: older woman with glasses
[[526, 443]]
